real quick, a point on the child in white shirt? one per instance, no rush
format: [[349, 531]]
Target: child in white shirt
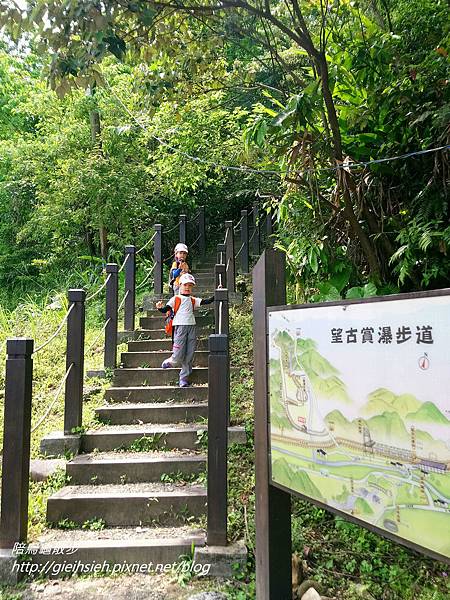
[[184, 337]]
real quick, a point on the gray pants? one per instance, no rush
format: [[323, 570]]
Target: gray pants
[[184, 343]]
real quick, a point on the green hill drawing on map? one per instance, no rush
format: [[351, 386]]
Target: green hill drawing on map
[[383, 400], [298, 480], [428, 413], [387, 428], [323, 376]]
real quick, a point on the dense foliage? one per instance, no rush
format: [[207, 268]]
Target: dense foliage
[[149, 98]]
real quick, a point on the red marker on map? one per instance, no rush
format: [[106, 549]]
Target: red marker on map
[[424, 362]]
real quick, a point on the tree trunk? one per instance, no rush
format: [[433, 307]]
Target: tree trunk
[[94, 117], [361, 235]]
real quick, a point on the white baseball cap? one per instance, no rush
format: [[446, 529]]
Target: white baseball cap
[[187, 278], [181, 248]]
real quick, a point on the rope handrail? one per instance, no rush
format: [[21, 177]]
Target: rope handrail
[[53, 402], [94, 343], [147, 277], [123, 300], [220, 317], [146, 244], [228, 264], [99, 289], [196, 240], [247, 169], [226, 235], [172, 228], [52, 337], [240, 250], [236, 227], [220, 280], [253, 234], [124, 263]]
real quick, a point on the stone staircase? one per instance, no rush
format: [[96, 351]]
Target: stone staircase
[[138, 486]]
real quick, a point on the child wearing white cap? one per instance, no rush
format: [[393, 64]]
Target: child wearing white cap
[[179, 266], [185, 336]]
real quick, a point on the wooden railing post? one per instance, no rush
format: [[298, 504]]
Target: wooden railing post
[[220, 254], [202, 232], [219, 394], [16, 442], [183, 229], [130, 288], [221, 311], [269, 229], [73, 399], [112, 289], [220, 276], [158, 256], [273, 506], [256, 232], [245, 253], [229, 256]]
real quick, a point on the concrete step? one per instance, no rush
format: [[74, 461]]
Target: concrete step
[[138, 377], [207, 309], [163, 437], [138, 467], [112, 548], [157, 394], [234, 298], [204, 279], [126, 505], [202, 321], [159, 412], [154, 359], [161, 345]]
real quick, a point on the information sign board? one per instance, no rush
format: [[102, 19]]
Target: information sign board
[[359, 409]]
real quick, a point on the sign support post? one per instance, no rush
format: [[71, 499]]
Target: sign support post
[[273, 506]]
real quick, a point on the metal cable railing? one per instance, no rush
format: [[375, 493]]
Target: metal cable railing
[[52, 337], [53, 402]]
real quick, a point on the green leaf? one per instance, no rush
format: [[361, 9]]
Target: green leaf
[[312, 259], [370, 289], [354, 292]]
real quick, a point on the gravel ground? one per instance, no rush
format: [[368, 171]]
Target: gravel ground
[[151, 429], [129, 488], [119, 533], [173, 453], [132, 587]]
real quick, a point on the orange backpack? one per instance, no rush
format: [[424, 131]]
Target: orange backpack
[[170, 314]]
